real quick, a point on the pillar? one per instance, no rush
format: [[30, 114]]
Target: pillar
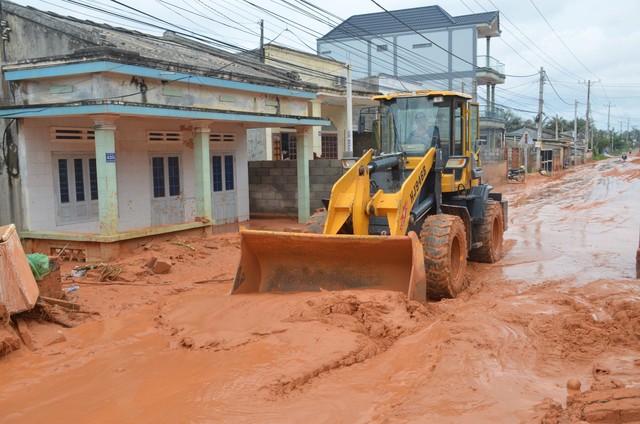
[[304, 154], [202, 169], [106, 169], [316, 131]]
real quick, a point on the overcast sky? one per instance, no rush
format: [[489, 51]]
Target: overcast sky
[[575, 41]]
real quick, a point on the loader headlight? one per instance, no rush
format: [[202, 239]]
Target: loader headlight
[[456, 162], [348, 163]]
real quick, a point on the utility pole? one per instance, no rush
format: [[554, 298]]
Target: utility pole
[[627, 131], [609, 125], [575, 135], [586, 130], [540, 102], [262, 40], [349, 147], [620, 133]]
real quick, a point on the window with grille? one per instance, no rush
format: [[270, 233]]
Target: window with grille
[[329, 146], [293, 150]]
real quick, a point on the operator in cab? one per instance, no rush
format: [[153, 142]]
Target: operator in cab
[[424, 134]]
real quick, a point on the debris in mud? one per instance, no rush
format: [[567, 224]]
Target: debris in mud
[[18, 287], [102, 272], [159, 266]]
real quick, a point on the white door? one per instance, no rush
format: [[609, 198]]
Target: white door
[[224, 200], [167, 206], [76, 186]]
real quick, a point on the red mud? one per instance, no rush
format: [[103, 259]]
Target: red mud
[[562, 304]]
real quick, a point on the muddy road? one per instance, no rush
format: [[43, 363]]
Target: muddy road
[[562, 304]]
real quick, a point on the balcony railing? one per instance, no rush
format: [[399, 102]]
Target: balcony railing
[[494, 113], [489, 63]]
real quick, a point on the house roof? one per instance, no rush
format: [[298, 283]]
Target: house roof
[[180, 52], [533, 133], [414, 19]]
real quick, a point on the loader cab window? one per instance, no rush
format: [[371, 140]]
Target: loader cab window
[[458, 130], [414, 124]]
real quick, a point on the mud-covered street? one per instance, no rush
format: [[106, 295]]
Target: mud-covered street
[[562, 304]]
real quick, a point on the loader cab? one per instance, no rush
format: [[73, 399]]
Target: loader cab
[[415, 122]]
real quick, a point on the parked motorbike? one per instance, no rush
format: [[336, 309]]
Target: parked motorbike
[[516, 173]]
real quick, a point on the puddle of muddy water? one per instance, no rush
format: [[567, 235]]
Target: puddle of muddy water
[[581, 229]]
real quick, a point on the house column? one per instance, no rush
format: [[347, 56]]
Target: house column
[[202, 168], [106, 169], [316, 112], [304, 153]]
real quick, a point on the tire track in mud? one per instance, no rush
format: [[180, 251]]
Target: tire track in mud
[[377, 324], [344, 329]]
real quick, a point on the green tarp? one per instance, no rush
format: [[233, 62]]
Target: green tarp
[[39, 264]]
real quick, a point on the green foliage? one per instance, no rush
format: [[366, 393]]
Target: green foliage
[[513, 121]]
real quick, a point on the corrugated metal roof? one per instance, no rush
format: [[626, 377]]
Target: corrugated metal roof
[[417, 18]]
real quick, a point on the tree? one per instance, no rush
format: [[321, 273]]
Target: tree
[[513, 121]]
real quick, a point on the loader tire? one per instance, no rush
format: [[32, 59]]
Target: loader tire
[[444, 243], [490, 233], [316, 222]]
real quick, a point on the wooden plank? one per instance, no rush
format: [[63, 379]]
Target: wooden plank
[[25, 334], [63, 303]]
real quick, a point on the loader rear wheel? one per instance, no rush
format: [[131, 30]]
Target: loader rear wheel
[[444, 243], [489, 234]]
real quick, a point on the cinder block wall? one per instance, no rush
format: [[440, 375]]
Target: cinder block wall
[[273, 185]]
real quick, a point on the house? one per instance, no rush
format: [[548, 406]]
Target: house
[[329, 142], [425, 45], [556, 150], [114, 135]]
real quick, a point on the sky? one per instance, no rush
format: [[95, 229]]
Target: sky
[[579, 43]]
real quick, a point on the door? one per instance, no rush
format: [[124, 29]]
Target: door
[[76, 187], [167, 205], [224, 200]]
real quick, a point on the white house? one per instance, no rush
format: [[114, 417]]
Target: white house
[[114, 135]]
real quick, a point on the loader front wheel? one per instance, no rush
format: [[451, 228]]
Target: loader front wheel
[[489, 234], [444, 244], [316, 222]]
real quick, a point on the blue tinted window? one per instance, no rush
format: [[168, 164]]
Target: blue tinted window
[[228, 172], [158, 176], [63, 174], [216, 169]]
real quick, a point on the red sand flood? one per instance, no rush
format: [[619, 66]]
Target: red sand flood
[[562, 304]]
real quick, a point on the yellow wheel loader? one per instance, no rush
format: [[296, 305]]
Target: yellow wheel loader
[[405, 216]]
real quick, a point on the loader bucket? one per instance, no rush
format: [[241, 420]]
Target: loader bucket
[[282, 262]]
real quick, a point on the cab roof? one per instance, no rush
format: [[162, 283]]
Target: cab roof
[[422, 93]]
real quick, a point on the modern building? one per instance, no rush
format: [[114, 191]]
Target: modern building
[[428, 47]]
